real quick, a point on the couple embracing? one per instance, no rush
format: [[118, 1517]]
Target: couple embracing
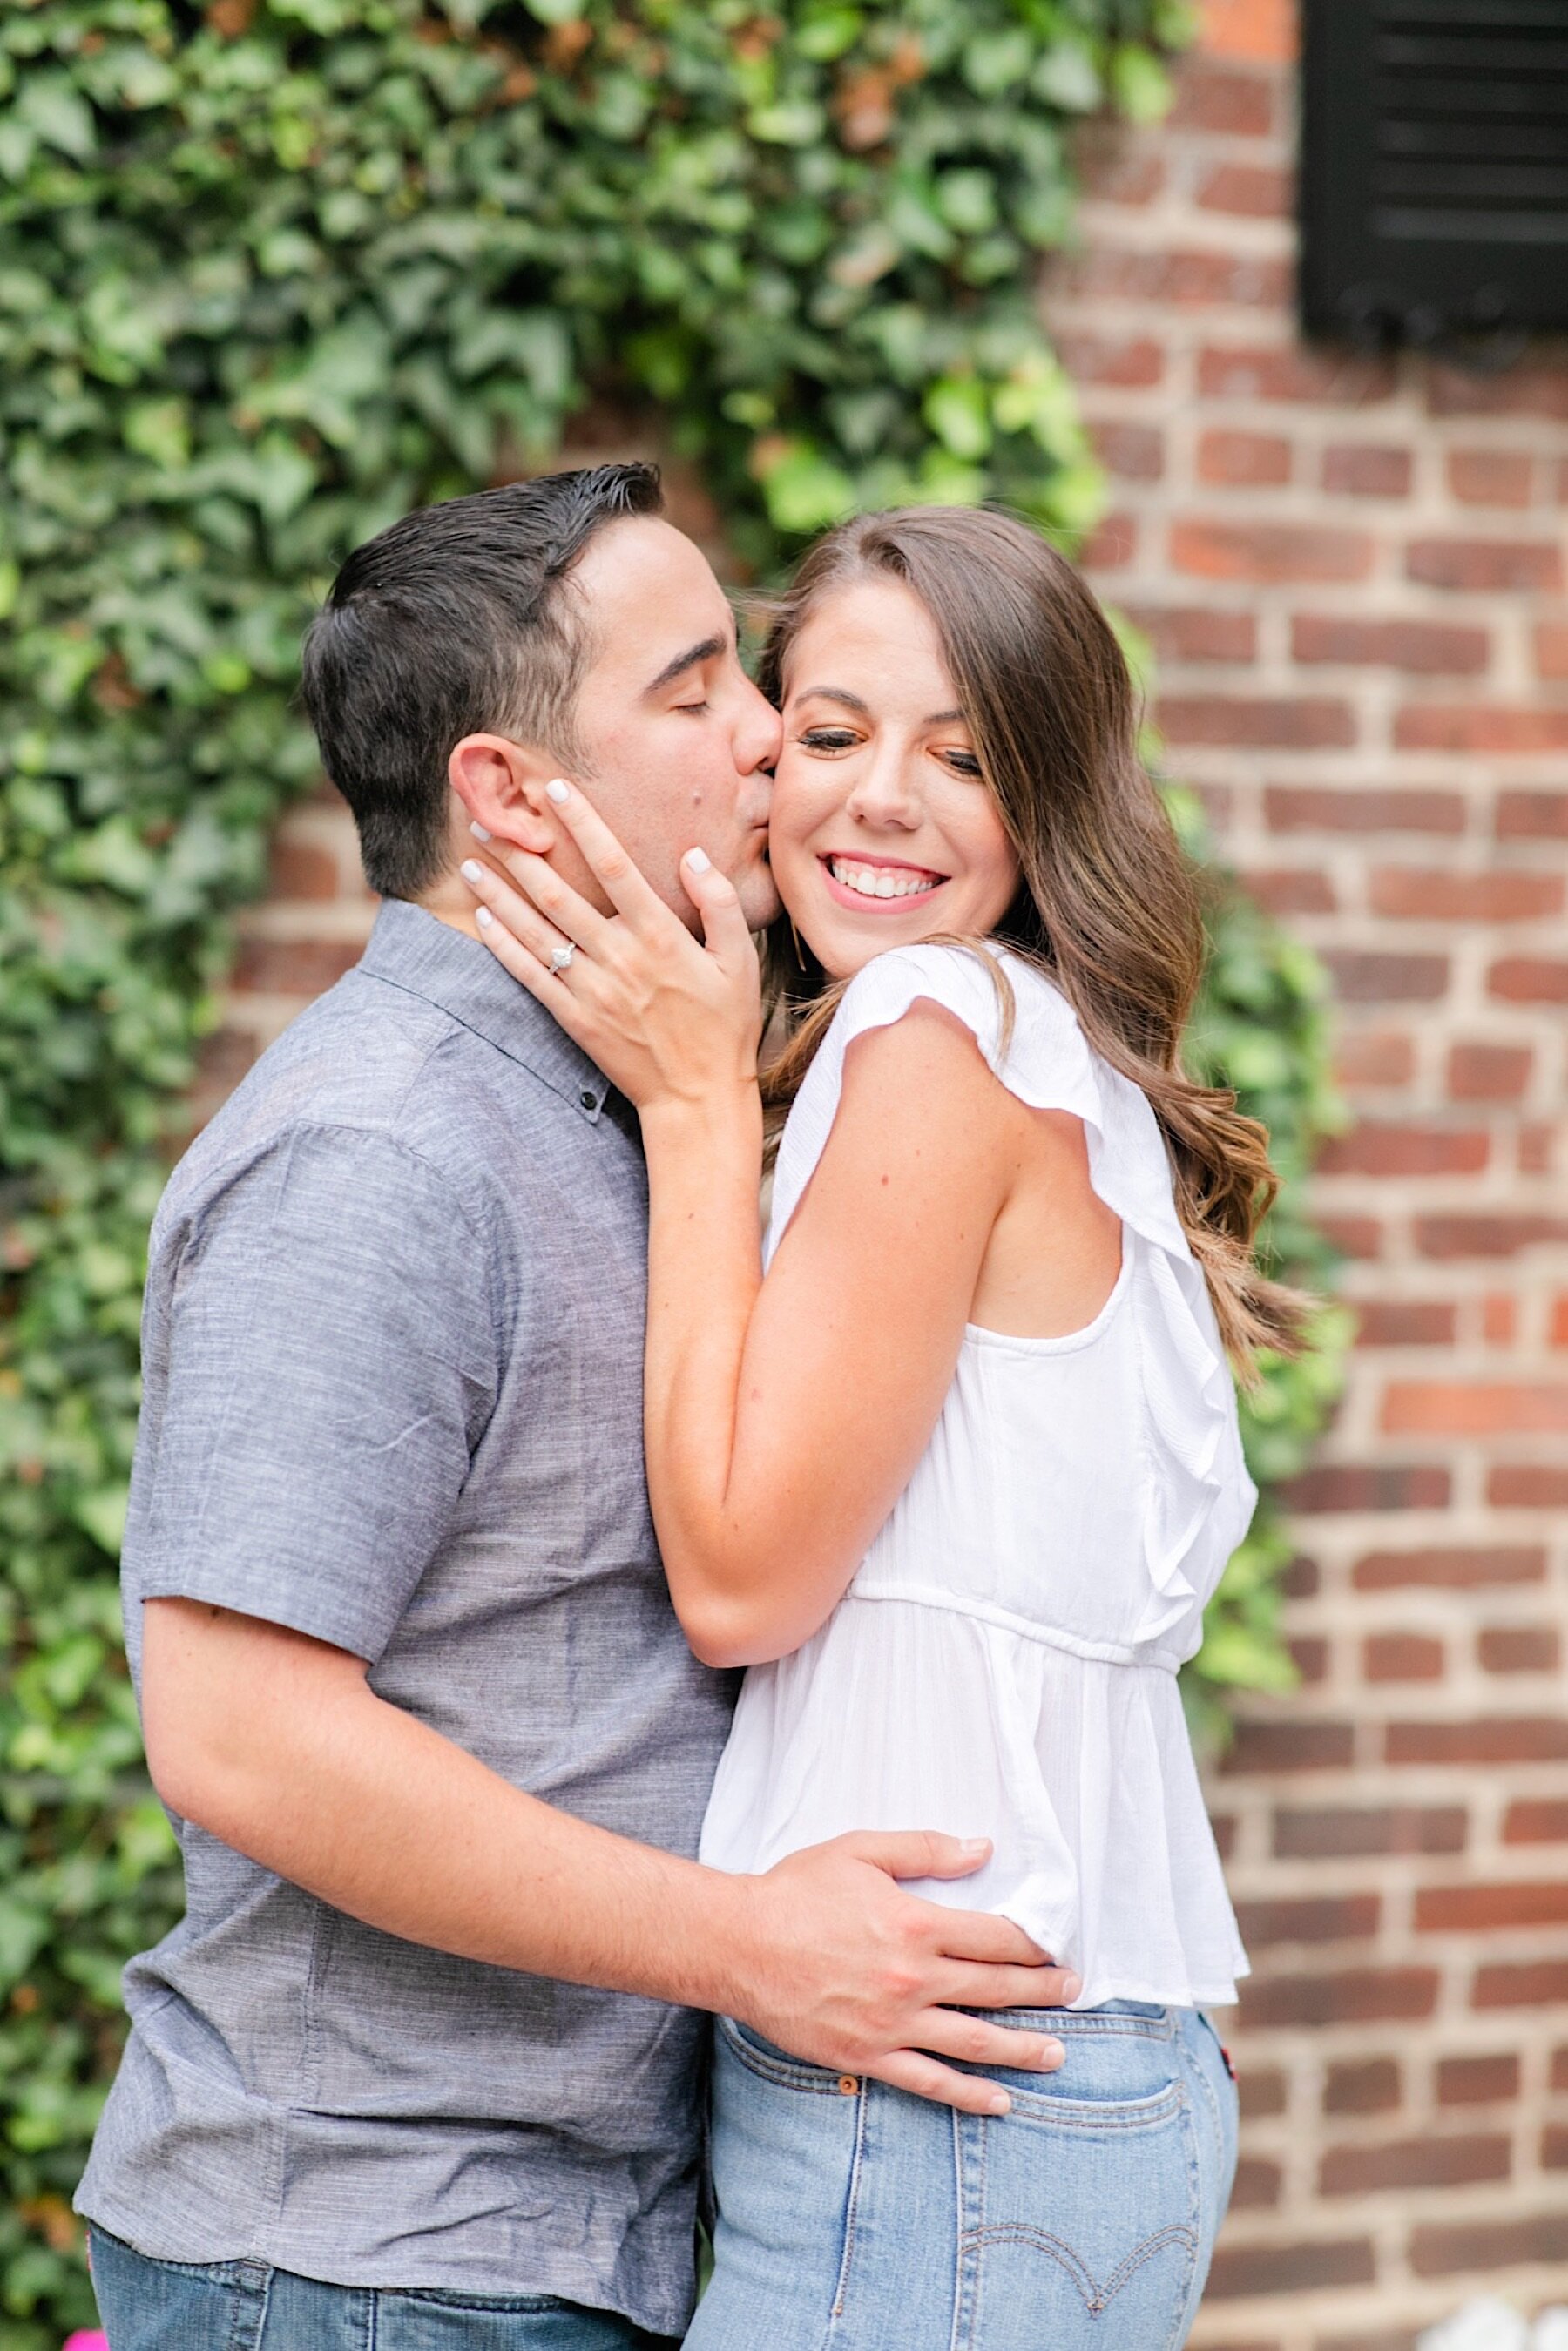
[[486, 1437]]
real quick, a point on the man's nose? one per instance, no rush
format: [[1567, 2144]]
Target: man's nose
[[761, 737]]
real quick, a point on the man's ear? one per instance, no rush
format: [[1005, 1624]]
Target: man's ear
[[502, 786]]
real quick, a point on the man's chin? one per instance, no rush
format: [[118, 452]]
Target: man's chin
[[759, 901]]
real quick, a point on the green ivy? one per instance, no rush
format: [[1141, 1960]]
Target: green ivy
[[1262, 1026], [269, 275]]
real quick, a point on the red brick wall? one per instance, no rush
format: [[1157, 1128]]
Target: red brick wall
[[1353, 575]]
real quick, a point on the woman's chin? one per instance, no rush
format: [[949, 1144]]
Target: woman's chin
[[844, 941], [843, 951]]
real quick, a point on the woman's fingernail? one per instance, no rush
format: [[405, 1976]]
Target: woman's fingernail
[[471, 870], [484, 917], [1001, 2103], [698, 860], [1054, 2053], [1071, 1987], [970, 1846], [480, 832], [557, 791]]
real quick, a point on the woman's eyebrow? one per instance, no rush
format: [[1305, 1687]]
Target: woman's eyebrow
[[852, 702]]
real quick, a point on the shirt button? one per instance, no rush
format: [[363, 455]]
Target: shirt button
[[589, 1101], [849, 2085]]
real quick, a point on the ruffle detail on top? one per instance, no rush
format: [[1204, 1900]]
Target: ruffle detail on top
[[1199, 1496]]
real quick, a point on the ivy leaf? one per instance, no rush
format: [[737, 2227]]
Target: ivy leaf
[[101, 1514], [113, 854], [805, 491], [320, 16], [159, 429], [19, 145], [792, 124], [24, 1931], [995, 61], [1141, 84], [140, 78], [957, 410], [967, 200], [826, 33], [58, 114], [1068, 77], [277, 475]]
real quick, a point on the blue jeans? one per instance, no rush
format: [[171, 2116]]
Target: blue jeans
[[853, 2217], [148, 2305]]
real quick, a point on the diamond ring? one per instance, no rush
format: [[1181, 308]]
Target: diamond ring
[[560, 961]]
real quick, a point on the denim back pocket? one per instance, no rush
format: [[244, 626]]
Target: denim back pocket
[[1080, 2211]]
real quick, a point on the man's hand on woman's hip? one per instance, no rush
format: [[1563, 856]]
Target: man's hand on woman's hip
[[844, 1969]]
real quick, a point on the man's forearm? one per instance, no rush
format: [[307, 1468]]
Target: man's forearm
[[300, 1766], [277, 1745]]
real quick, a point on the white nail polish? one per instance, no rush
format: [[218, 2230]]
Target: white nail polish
[[484, 918], [480, 832], [557, 791], [698, 860], [471, 871]]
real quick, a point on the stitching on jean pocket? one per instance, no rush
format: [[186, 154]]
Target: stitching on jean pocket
[[522, 2305], [1210, 2101], [1097, 2297], [852, 2206], [1098, 2113], [249, 2291], [209, 2273], [1181, 2325], [785, 2072], [1063, 2021], [224, 2273]]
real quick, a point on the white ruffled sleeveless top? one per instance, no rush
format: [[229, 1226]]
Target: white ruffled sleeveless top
[[1004, 1662]]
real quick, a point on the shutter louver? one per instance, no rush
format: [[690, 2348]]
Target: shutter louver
[[1435, 167]]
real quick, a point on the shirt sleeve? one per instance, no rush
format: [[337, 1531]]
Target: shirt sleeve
[[331, 1360]]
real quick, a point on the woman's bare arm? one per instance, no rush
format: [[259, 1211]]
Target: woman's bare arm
[[784, 1418]]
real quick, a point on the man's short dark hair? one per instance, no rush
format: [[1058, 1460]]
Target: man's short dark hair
[[458, 620]]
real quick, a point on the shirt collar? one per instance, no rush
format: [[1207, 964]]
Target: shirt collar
[[415, 950]]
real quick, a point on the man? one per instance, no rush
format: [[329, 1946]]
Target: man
[[420, 2066]]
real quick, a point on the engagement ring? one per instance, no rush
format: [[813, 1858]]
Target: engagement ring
[[560, 961]]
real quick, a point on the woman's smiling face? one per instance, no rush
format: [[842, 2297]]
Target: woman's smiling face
[[884, 831]]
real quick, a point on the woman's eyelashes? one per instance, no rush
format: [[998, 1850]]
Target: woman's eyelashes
[[830, 741]]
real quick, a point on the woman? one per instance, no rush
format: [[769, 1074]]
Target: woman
[[955, 1479]]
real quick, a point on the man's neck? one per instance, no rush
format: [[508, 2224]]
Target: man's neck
[[451, 902]]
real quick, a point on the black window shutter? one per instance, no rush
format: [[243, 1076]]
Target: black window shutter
[[1434, 168]]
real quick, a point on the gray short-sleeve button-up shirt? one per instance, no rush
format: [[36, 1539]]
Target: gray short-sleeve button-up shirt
[[393, 1364]]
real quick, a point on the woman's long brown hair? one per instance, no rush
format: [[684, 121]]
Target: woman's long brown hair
[[1108, 905]]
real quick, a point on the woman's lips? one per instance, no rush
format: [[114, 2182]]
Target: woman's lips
[[862, 901]]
